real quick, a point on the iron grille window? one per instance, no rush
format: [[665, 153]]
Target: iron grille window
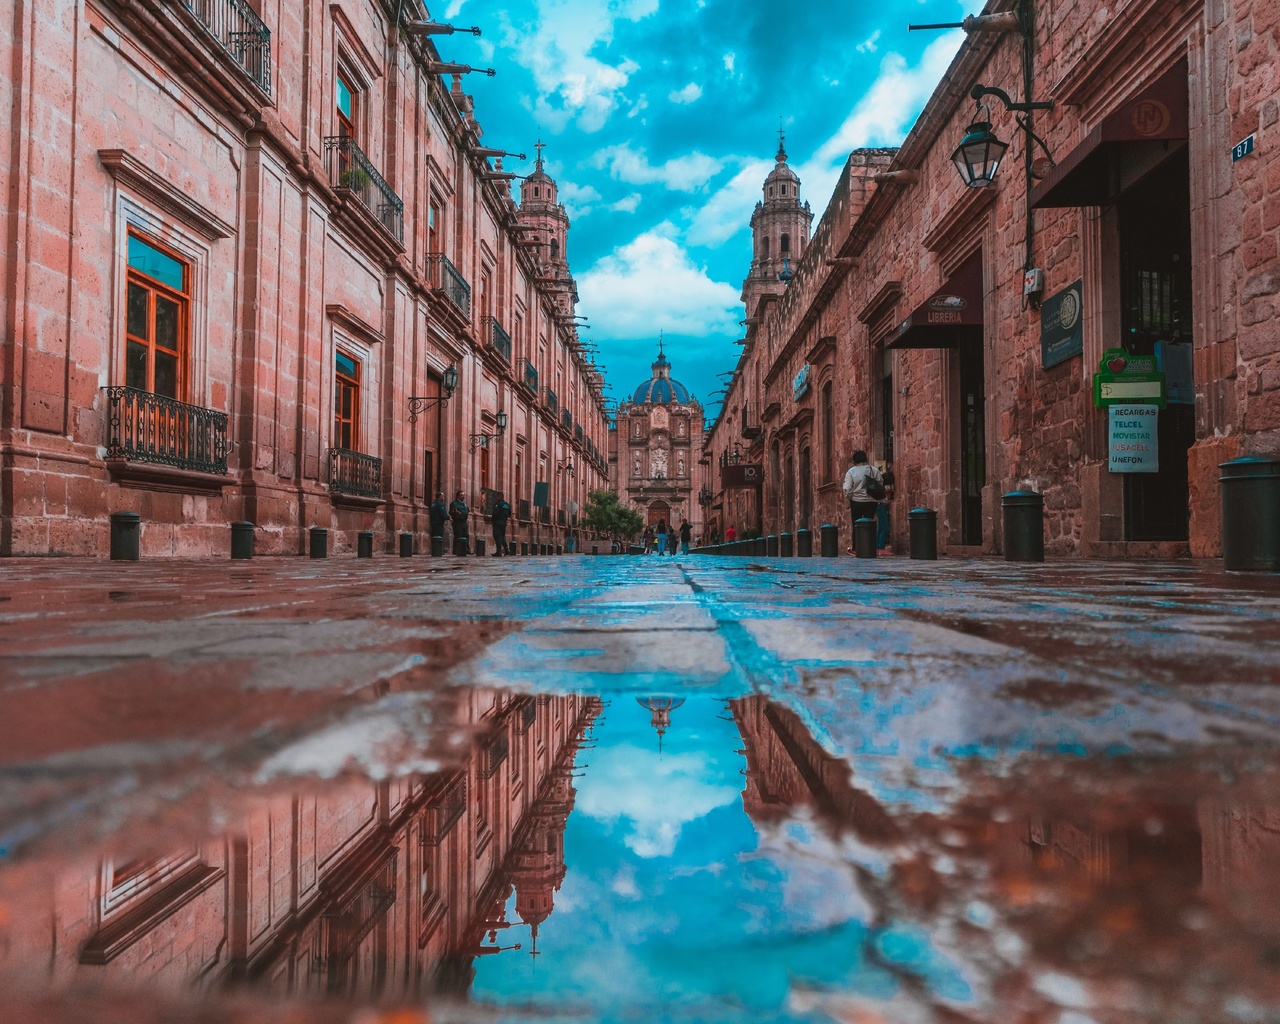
[[560, 517], [239, 31], [353, 473], [446, 279], [552, 401], [530, 376], [350, 169], [577, 433], [146, 427], [523, 512], [528, 713], [566, 419]]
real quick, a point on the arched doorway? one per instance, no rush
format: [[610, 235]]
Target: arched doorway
[[658, 510]]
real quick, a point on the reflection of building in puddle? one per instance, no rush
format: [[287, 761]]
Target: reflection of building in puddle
[[660, 709], [1157, 890], [371, 889]]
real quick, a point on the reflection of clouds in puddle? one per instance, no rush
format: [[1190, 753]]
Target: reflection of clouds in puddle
[[652, 795]]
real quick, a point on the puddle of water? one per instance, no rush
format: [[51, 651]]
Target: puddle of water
[[698, 858]]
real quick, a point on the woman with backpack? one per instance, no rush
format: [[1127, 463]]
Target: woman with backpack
[[863, 490]]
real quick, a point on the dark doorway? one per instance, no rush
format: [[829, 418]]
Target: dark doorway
[[789, 493], [806, 493], [1155, 309], [971, 416]]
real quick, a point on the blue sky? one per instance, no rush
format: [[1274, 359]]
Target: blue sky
[[661, 121]]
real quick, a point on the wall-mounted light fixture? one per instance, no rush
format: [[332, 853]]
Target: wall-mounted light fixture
[[567, 465], [435, 28], [978, 156], [482, 440], [446, 68], [450, 384]]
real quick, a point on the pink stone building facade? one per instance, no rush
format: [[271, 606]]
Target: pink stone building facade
[[239, 241], [906, 332]]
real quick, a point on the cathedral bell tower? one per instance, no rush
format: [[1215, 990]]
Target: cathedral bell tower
[[779, 232], [548, 229]]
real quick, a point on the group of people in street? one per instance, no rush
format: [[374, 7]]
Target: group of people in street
[[868, 492], [658, 537], [458, 515]]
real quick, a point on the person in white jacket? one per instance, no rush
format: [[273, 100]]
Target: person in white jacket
[[861, 503]]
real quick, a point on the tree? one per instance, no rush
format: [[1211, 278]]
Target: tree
[[606, 514]]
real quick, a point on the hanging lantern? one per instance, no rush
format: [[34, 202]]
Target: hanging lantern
[[978, 156]]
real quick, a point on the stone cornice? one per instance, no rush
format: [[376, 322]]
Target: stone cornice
[[136, 175]]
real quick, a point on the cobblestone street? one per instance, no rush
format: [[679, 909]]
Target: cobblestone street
[[699, 788]]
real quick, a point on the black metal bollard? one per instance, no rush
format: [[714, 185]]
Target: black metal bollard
[[406, 545], [559, 549], [524, 547], [1023, 526], [479, 547], [126, 532], [830, 534], [804, 543], [364, 544], [1250, 514], [241, 539], [595, 549], [437, 547], [864, 538], [924, 533], [771, 546], [785, 545], [318, 542]]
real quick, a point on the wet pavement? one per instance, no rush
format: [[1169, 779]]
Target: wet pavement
[[615, 789]]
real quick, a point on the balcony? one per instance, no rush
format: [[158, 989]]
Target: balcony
[[531, 376], [577, 433], [444, 277], [566, 420], [499, 339], [552, 401], [439, 816], [354, 474], [145, 427], [495, 754], [350, 171], [241, 33]]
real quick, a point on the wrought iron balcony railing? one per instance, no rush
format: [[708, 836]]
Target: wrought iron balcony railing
[[241, 33], [350, 169], [145, 427], [499, 340], [530, 376], [577, 433], [353, 473], [444, 811], [446, 279], [495, 754], [566, 419], [552, 401]]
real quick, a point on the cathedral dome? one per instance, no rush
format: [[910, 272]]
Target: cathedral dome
[[660, 388]]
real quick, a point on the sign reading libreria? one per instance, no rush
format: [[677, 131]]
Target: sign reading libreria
[[1062, 326], [1131, 431]]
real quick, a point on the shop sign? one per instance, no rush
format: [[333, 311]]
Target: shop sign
[[1125, 379], [744, 474], [800, 384], [1062, 326], [946, 309], [1132, 439]]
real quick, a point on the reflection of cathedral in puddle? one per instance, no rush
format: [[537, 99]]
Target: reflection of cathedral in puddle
[[370, 889]]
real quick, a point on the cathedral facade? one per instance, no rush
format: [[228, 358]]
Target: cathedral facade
[[655, 448]]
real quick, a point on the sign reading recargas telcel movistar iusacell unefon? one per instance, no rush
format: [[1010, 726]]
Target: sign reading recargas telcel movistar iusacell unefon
[[1132, 438]]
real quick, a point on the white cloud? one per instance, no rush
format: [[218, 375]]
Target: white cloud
[[868, 45], [618, 293], [728, 210], [682, 174], [691, 93], [452, 11], [729, 59], [578, 199], [627, 204], [653, 796], [557, 46]]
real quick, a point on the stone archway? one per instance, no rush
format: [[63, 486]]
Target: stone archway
[[658, 510]]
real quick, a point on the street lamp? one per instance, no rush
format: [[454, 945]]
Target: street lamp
[[435, 28], [978, 156], [567, 466], [482, 440], [421, 402]]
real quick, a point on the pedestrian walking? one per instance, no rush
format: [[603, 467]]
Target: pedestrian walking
[[460, 515], [438, 514], [730, 535], [662, 536], [501, 513], [647, 540], [686, 533], [863, 488], [882, 509]]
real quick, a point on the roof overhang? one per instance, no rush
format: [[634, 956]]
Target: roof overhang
[[958, 303]]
